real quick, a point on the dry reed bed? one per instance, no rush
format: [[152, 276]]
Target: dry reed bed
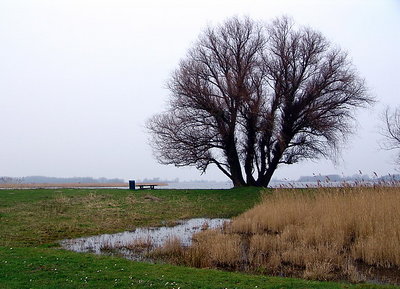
[[326, 234]]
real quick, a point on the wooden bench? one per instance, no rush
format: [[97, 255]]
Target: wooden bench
[[150, 186], [141, 186]]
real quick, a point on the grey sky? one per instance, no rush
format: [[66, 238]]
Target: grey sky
[[79, 78]]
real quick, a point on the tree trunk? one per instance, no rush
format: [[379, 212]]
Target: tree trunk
[[250, 149], [234, 166], [236, 172], [264, 179]]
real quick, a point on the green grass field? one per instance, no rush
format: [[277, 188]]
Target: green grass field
[[32, 221], [36, 217]]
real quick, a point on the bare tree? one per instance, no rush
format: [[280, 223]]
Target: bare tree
[[391, 130], [248, 98]]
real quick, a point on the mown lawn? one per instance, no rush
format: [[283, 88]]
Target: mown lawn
[[32, 221]]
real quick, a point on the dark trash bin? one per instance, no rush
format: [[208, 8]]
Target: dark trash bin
[[132, 184]]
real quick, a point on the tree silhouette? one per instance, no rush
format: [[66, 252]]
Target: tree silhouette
[[391, 130], [249, 97]]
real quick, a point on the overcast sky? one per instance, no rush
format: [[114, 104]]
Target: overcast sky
[[79, 79]]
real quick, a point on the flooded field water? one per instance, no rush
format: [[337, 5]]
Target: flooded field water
[[133, 244]]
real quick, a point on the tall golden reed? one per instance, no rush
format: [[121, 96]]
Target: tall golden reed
[[363, 222], [325, 234]]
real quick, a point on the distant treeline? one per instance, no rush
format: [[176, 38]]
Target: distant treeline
[[353, 178], [54, 180], [176, 180], [157, 180]]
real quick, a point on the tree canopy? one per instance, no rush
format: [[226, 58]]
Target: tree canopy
[[391, 130], [248, 97]]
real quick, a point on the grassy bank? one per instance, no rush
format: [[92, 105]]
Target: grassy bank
[[42, 216], [52, 268]]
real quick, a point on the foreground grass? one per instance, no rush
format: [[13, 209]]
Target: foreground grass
[[53, 268], [42, 216]]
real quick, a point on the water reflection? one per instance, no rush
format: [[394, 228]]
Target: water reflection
[[133, 244]]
